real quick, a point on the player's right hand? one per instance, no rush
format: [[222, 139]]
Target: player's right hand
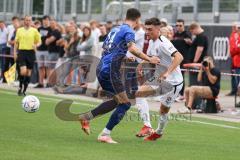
[[154, 60]]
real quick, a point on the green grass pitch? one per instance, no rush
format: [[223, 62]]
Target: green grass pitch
[[42, 136]]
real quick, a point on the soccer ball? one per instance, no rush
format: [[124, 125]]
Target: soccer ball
[[30, 104]]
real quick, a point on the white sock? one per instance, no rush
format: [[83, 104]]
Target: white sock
[[105, 132], [143, 110], [162, 123]]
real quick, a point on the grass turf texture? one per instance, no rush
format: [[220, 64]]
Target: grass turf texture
[[42, 136]]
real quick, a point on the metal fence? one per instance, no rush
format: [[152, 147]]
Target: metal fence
[[205, 11]]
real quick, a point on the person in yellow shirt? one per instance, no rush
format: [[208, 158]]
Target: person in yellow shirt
[[26, 40]]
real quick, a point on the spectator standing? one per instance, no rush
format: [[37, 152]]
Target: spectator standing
[[42, 51], [3, 45], [53, 48], [196, 52], [86, 44], [103, 31], [95, 31], [234, 53], [182, 42], [9, 50]]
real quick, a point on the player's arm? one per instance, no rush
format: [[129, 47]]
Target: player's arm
[[198, 54], [135, 51], [177, 60], [50, 40]]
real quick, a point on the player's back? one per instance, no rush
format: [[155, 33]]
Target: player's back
[[115, 47]]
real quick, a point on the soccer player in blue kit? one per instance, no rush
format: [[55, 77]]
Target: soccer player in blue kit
[[120, 40]]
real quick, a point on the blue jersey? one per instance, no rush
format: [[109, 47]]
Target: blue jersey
[[114, 50], [115, 47]]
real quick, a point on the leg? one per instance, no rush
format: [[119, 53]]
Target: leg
[[166, 102], [186, 94], [143, 109], [198, 91], [116, 117]]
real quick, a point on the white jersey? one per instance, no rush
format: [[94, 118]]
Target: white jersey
[[164, 49]]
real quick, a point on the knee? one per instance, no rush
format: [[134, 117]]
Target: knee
[[125, 106]]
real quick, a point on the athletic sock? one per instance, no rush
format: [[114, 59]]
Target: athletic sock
[[26, 82], [21, 81], [118, 115], [105, 132], [102, 109], [162, 123], [143, 110]]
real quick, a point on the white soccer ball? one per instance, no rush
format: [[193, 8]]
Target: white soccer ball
[[30, 104]]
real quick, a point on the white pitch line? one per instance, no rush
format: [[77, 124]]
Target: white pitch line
[[87, 104], [201, 122]]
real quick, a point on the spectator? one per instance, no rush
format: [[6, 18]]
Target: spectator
[[96, 33], [72, 61], [234, 53], [87, 42], [42, 51], [167, 32], [37, 24], [9, 49], [3, 45], [103, 31], [109, 26], [196, 52], [209, 76], [53, 48], [182, 42], [163, 22]]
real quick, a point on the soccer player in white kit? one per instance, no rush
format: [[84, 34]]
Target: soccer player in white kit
[[161, 47]]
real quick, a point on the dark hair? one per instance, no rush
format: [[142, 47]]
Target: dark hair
[[180, 21], [45, 17], [84, 38], [133, 14], [15, 18], [153, 21]]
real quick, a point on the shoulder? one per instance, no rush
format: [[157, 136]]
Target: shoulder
[[215, 71], [126, 28]]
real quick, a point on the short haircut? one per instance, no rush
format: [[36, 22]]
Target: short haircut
[[45, 17], [194, 25], [133, 14], [153, 21], [180, 21], [15, 18]]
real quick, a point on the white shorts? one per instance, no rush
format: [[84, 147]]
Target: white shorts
[[169, 98]]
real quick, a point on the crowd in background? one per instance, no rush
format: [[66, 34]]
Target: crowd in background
[[61, 42]]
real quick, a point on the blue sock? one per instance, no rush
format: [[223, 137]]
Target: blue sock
[[118, 115]]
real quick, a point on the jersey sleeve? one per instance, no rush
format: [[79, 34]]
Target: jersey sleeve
[[130, 37], [168, 47], [37, 37]]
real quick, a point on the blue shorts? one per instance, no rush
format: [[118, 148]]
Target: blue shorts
[[110, 81]]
